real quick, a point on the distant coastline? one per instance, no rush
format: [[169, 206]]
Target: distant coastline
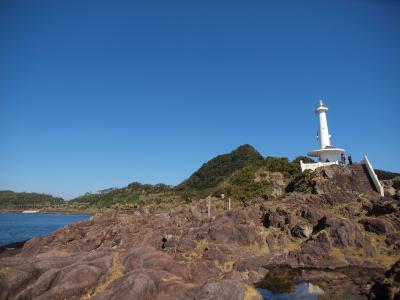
[[64, 212]]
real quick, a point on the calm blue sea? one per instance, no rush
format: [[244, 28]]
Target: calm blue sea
[[15, 227]]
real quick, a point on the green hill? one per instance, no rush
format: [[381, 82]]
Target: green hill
[[209, 176], [221, 167], [243, 175], [13, 200]]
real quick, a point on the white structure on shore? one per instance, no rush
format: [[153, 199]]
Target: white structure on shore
[[327, 154]]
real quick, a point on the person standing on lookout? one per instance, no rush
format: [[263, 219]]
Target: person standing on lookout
[[343, 157], [350, 159]]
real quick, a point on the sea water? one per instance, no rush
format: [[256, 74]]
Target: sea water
[[16, 227], [302, 291]]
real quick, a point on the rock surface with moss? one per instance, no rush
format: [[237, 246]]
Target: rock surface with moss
[[338, 234]]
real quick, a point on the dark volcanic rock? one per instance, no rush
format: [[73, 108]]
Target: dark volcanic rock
[[302, 230], [374, 225], [278, 218], [381, 207], [310, 214]]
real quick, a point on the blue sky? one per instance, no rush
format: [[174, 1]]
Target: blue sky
[[97, 94]]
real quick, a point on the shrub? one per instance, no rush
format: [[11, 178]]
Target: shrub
[[243, 186], [302, 183]]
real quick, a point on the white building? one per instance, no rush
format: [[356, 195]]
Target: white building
[[326, 154]]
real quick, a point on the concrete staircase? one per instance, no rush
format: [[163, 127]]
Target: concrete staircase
[[362, 176]]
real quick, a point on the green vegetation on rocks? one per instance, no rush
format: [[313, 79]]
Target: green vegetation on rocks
[[245, 187], [129, 196], [302, 183]]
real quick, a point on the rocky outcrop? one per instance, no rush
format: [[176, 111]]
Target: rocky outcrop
[[392, 187], [388, 287], [320, 238], [336, 181]]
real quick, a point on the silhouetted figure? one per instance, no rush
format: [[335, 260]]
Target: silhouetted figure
[[350, 159], [327, 160], [343, 158]]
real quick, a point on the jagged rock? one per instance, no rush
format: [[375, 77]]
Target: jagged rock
[[315, 254], [374, 225], [391, 187], [388, 287], [393, 241], [344, 233], [277, 219], [341, 184], [354, 209], [302, 230], [310, 214], [381, 207]]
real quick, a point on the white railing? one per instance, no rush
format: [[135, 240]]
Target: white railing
[[371, 173], [313, 166]]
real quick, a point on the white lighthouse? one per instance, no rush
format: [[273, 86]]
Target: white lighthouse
[[327, 154], [324, 136]]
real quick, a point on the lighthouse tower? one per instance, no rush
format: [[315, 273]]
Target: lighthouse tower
[[324, 136], [327, 154]]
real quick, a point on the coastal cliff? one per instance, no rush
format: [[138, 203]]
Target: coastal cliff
[[328, 228]]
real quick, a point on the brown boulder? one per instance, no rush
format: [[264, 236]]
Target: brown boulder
[[382, 206], [138, 284], [344, 233], [374, 225], [227, 290]]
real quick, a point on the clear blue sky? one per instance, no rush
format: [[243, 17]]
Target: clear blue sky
[[97, 94]]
